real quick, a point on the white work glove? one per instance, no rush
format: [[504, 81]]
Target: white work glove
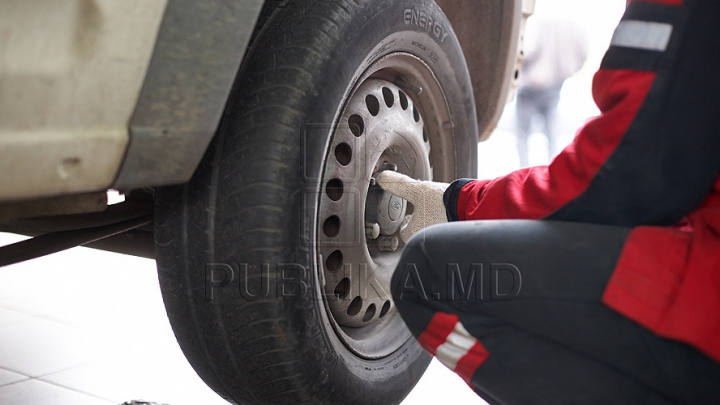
[[425, 196]]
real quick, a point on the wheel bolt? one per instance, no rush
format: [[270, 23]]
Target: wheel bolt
[[372, 231], [388, 243], [408, 86]]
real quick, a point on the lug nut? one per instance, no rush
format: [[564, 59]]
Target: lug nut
[[372, 231], [388, 243], [408, 86], [373, 182], [389, 166]]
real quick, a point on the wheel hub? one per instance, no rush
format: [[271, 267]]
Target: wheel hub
[[384, 209]]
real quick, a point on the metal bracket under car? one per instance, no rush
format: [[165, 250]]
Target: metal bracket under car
[[124, 228]]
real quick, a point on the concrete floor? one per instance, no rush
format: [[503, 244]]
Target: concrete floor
[[89, 327]]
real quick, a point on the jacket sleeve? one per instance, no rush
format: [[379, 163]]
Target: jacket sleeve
[[653, 153]]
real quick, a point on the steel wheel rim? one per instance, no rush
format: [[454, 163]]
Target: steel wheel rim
[[381, 127]]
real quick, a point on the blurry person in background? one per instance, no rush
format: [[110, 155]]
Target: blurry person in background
[[555, 49]]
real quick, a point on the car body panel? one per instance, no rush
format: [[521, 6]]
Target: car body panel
[[194, 64], [70, 75]]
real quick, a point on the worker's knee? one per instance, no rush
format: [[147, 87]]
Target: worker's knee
[[448, 264], [422, 272], [431, 249]]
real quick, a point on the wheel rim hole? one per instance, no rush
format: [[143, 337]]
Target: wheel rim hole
[[357, 125], [369, 313], [342, 289], [343, 154], [403, 100], [373, 105], [389, 97], [334, 261], [331, 227], [425, 137], [410, 209], [416, 114], [355, 306], [334, 189], [385, 309]]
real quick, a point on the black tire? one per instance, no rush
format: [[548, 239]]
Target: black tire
[[246, 206]]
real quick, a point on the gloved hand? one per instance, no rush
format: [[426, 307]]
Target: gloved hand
[[425, 196]]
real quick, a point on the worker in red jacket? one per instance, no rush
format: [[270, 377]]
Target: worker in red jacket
[[596, 279]]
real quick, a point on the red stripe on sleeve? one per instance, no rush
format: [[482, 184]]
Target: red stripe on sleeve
[[535, 192], [437, 331], [469, 363]]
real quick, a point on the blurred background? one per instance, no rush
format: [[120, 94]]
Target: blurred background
[[498, 156], [86, 327]]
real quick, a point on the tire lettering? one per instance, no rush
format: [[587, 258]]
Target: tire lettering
[[424, 20], [400, 363], [419, 45], [408, 16], [382, 49]]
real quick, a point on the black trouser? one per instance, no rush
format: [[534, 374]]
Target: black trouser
[[553, 341]]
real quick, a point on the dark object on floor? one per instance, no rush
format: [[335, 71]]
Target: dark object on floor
[[140, 403]]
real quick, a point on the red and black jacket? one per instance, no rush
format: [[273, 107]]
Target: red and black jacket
[[650, 161]]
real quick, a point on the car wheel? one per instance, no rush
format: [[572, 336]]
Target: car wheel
[[275, 259]]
